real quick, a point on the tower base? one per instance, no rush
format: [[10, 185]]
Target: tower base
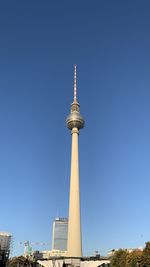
[[72, 262]]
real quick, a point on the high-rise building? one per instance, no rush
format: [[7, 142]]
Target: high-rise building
[[5, 242], [74, 122], [59, 235]]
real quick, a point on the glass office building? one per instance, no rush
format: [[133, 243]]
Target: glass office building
[[60, 232]]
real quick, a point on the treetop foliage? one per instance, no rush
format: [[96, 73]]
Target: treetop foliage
[[136, 258]]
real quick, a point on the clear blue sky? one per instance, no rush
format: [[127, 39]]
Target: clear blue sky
[[39, 43]]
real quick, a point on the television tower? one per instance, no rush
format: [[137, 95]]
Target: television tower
[[74, 122]]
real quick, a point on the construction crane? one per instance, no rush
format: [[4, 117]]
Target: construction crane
[[28, 246]]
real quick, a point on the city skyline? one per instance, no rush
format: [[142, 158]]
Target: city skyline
[[40, 42]]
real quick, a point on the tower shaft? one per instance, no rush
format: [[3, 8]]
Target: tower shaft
[[74, 247]]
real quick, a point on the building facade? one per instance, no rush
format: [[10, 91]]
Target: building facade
[[59, 235], [5, 242]]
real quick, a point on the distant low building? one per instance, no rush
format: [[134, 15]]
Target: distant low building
[[48, 254]]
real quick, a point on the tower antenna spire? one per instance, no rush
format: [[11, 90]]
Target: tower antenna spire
[[75, 83]]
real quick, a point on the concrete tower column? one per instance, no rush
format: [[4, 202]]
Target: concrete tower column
[[74, 122], [74, 228]]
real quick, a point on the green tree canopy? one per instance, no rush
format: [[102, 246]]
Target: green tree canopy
[[134, 258], [120, 258], [146, 256], [14, 262]]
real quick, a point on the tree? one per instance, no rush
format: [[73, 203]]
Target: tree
[[21, 262], [145, 262], [120, 258], [134, 258]]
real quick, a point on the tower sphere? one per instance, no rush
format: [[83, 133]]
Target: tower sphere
[[75, 119]]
